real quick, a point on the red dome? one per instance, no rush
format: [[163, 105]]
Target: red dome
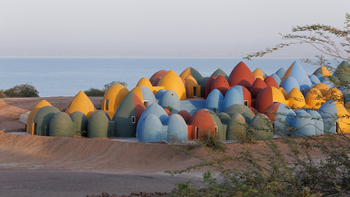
[[158, 74], [241, 75], [221, 84], [207, 86], [257, 86], [270, 81], [200, 121], [185, 115], [264, 99], [271, 111]]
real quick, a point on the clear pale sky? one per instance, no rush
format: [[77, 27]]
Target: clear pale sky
[[153, 27]]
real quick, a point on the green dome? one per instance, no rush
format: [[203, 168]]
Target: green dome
[[261, 127], [80, 121], [61, 125], [238, 108], [237, 127], [98, 126], [42, 120]]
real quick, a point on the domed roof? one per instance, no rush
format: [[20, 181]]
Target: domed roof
[[257, 86], [314, 98], [322, 87], [61, 125], [335, 94], [219, 72], [303, 124], [98, 126], [185, 115], [236, 127], [172, 81], [204, 120], [270, 81], [282, 116], [317, 118], [158, 74], [82, 103], [113, 97], [127, 116], [241, 75], [31, 116], [261, 127], [276, 78], [342, 72], [207, 86], [171, 99], [298, 72], [267, 96], [177, 128], [193, 72], [333, 112], [145, 82], [259, 72], [215, 100], [42, 120], [314, 80], [81, 123], [238, 108], [280, 72], [324, 71], [232, 97], [289, 83], [244, 92], [296, 99], [221, 84]]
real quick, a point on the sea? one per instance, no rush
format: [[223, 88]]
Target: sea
[[53, 76]]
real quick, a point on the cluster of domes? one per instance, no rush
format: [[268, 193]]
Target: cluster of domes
[[169, 106]]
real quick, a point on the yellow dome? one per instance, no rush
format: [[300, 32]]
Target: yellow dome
[[185, 73], [296, 99], [172, 81], [284, 92], [31, 116], [314, 98], [137, 90], [343, 118], [322, 87], [258, 74], [81, 103], [278, 95], [193, 89], [145, 82], [326, 72], [335, 94], [113, 97]]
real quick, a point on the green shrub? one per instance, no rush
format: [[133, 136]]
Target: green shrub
[[101, 93], [2, 94], [24, 90]]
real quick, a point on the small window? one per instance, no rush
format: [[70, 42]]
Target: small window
[[133, 119], [196, 132], [34, 128], [107, 104], [216, 129], [246, 103], [336, 127], [145, 103], [194, 91]]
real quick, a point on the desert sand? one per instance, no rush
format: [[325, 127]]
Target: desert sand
[[57, 166]]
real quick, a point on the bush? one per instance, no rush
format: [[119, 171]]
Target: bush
[[101, 93], [24, 90], [2, 94]]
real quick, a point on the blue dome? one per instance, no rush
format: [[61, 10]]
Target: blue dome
[[290, 83], [151, 130], [233, 97], [170, 98], [317, 118], [214, 100], [314, 80], [280, 72], [277, 79], [303, 124], [177, 128]]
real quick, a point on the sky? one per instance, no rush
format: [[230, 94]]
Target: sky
[[158, 27]]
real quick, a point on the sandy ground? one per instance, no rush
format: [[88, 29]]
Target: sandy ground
[[55, 166]]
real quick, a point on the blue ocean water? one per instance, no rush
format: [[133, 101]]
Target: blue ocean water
[[67, 76]]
